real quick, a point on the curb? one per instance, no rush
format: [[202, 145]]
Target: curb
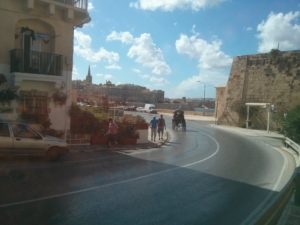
[[77, 148]]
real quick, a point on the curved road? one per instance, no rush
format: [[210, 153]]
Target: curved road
[[204, 176]]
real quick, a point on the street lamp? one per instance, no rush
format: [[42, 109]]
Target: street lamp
[[204, 85]]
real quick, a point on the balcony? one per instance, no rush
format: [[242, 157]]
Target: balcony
[[35, 62], [80, 4]]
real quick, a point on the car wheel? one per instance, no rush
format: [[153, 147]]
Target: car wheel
[[52, 154]]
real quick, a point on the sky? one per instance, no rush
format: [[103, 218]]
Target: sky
[[179, 46]]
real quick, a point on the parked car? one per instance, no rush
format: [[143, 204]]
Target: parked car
[[140, 109], [130, 108], [152, 111], [21, 139]]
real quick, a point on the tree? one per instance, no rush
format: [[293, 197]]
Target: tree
[[291, 124]]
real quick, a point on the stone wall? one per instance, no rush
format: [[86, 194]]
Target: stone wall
[[263, 78]]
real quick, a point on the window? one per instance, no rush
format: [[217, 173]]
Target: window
[[22, 131], [4, 131], [35, 103]]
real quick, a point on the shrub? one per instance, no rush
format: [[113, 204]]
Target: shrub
[[137, 121], [84, 122], [7, 95], [291, 124]]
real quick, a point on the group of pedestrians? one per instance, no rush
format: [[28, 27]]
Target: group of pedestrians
[[157, 126]]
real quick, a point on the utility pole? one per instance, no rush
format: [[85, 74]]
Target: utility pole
[[204, 87]]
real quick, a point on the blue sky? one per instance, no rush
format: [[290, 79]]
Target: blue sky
[[180, 45]]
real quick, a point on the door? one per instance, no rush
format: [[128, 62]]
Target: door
[[27, 42], [5, 138], [26, 140]]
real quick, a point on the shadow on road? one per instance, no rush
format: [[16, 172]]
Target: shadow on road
[[114, 188]]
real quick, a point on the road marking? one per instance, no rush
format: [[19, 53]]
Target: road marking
[[208, 157], [114, 183], [262, 205], [85, 189], [285, 163]]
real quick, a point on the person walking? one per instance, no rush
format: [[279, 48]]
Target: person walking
[[161, 126], [112, 132], [153, 126]]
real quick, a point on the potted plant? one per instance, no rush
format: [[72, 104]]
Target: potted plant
[[127, 134], [140, 126], [59, 97]]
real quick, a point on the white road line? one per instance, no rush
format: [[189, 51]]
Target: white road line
[[112, 184], [85, 189], [208, 157], [262, 205], [285, 163]]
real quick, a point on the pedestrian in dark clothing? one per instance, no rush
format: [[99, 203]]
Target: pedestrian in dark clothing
[[161, 126], [153, 126]]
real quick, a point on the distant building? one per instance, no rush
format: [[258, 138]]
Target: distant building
[[89, 78], [93, 93], [36, 51]]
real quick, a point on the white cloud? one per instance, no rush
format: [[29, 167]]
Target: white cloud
[[194, 29], [89, 24], [90, 6], [157, 81], [248, 28], [75, 73], [104, 76], [125, 37], [145, 52], [209, 55], [191, 86], [214, 65], [137, 71], [279, 28], [170, 5], [113, 67], [83, 48]]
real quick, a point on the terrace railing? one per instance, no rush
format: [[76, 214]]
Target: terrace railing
[[35, 62], [81, 4]]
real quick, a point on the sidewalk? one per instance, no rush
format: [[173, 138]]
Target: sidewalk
[[95, 148], [250, 132]]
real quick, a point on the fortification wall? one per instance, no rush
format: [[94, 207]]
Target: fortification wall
[[269, 78]]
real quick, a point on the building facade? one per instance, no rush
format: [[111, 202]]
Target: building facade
[[36, 58]]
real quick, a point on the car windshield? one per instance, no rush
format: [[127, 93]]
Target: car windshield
[[23, 131], [142, 112]]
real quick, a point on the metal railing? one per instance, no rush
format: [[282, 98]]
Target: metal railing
[[81, 4], [35, 62], [293, 145]]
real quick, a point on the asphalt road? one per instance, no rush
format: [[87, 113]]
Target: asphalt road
[[203, 176]]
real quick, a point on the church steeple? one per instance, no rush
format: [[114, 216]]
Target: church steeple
[[89, 78]]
